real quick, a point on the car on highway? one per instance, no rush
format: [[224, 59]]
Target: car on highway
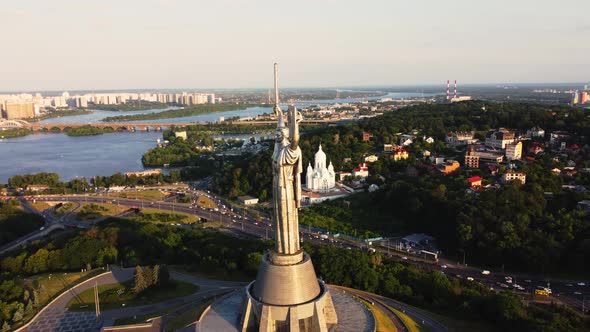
[[444, 266], [470, 278], [485, 272], [581, 284], [577, 293]]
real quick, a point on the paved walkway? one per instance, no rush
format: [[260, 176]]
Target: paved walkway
[[56, 316], [224, 315]]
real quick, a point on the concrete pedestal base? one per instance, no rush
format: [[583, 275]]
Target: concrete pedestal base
[[287, 298], [317, 315]]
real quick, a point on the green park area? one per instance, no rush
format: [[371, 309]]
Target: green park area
[[159, 216], [150, 195], [63, 209], [39, 206], [14, 222], [94, 211], [120, 295], [206, 202]]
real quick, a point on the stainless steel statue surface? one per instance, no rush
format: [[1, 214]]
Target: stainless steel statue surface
[[287, 168]]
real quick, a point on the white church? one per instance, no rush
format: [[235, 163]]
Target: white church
[[320, 178]]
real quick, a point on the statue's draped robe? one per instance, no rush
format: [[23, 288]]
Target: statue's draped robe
[[287, 168]]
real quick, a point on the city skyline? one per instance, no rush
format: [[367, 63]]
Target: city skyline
[[66, 45]]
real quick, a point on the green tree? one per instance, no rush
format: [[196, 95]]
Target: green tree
[[148, 277], [18, 313], [156, 275], [139, 282]]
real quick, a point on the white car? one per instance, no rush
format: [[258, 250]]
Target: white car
[[485, 272], [444, 266], [470, 278], [581, 284]]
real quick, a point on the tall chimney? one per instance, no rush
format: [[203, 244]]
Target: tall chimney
[[455, 94], [448, 89]]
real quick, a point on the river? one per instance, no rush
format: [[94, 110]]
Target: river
[[72, 157]]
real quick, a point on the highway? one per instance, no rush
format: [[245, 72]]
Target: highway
[[236, 222]]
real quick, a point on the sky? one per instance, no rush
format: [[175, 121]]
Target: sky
[[207, 44]]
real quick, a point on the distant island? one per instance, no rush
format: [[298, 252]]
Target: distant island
[[10, 133], [88, 130], [179, 113]]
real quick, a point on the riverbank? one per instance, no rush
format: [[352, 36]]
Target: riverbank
[[131, 106], [59, 114], [179, 113], [11, 133]]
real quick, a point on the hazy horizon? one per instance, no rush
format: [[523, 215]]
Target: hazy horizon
[[157, 44]]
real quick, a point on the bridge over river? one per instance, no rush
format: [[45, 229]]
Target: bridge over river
[[50, 127]]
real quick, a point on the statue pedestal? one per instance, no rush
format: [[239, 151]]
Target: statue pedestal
[[287, 298]]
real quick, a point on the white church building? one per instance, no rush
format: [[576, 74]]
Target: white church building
[[320, 178]]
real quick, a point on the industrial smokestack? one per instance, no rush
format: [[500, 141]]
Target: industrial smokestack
[[455, 94], [448, 89]]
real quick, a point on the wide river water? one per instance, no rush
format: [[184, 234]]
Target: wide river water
[[106, 154]]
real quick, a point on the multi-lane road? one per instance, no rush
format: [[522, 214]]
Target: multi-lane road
[[234, 221]]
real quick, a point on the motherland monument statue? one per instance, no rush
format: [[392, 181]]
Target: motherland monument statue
[[287, 295]]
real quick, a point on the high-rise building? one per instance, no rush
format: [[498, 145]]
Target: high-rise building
[[514, 151], [18, 110], [575, 97], [584, 97]]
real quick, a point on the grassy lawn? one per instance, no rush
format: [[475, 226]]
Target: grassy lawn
[[160, 216], [64, 209], [222, 274], [39, 206], [206, 202], [51, 284], [144, 318], [188, 316], [151, 195], [382, 322], [110, 298], [94, 211], [411, 324]]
